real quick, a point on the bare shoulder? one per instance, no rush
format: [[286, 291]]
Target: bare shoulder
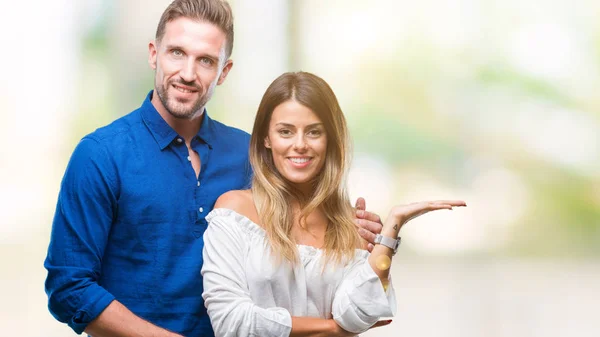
[[235, 200], [240, 201]]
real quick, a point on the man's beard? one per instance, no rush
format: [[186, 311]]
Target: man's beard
[[178, 109]]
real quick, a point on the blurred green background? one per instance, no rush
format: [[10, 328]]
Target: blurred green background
[[496, 103]]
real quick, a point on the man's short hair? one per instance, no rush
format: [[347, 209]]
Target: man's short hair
[[217, 12]]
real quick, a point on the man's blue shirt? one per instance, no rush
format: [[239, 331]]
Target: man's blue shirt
[[130, 219]]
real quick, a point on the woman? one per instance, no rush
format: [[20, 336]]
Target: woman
[[284, 258]]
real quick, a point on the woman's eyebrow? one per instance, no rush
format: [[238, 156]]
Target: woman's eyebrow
[[293, 126]]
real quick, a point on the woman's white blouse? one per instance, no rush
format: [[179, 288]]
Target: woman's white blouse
[[247, 294]]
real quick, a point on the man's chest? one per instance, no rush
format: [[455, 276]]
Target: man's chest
[[164, 187]]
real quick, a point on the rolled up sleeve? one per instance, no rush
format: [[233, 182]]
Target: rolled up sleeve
[[226, 296], [80, 229], [361, 300]]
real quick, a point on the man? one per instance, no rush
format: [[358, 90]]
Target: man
[[126, 248]]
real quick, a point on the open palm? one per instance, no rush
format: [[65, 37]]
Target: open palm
[[402, 214]]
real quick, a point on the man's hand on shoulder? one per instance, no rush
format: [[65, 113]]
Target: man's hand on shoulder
[[369, 224]]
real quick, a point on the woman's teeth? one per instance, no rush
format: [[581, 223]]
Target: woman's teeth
[[299, 160]]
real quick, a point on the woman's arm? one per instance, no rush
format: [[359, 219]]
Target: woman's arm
[[316, 327], [380, 259], [367, 293]]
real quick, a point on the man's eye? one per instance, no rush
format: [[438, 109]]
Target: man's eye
[[206, 61], [177, 52]]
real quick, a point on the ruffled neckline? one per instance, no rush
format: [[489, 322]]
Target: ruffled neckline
[[253, 228], [243, 221]]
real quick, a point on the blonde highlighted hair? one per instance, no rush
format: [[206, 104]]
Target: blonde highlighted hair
[[273, 194]]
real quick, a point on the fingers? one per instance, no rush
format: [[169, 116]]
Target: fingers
[[408, 212], [362, 214], [368, 223], [381, 323], [433, 206], [361, 204], [426, 209], [454, 203], [365, 234], [444, 204], [371, 226]]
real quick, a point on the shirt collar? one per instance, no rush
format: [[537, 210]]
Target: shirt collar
[[163, 133]]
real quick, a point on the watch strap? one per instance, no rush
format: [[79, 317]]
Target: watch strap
[[388, 242]]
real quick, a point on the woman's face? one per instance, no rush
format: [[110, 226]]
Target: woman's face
[[298, 142]]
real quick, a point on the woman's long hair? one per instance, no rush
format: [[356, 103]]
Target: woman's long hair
[[273, 194]]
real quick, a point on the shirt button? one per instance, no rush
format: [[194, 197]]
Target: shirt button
[[189, 158], [179, 140], [201, 209], [198, 184]]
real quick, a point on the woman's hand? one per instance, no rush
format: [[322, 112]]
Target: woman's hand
[[401, 214], [339, 332]]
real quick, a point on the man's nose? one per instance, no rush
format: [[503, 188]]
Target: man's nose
[[188, 71]]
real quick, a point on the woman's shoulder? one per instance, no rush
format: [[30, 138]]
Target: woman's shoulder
[[236, 200], [239, 201]]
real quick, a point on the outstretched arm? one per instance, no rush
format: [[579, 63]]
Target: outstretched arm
[[380, 259], [366, 293]]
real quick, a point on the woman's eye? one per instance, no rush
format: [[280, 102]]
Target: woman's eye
[[285, 132], [314, 133]]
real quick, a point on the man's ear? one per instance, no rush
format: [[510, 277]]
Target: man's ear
[[225, 71], [152, 54], [267, 142]]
